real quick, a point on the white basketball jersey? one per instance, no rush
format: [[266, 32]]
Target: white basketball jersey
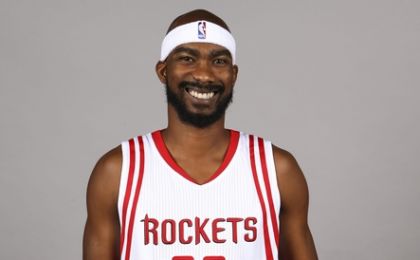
[[165, 215]]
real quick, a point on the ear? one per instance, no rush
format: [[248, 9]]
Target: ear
[[161, 71], [235, 70]]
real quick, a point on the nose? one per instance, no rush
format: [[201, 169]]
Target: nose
[[203, 72]]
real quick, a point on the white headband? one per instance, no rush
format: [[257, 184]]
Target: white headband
[[199, 31]]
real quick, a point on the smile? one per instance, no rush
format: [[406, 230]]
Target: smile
[[199, 95]]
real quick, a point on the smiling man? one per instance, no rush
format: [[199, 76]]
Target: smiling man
[[196, 190]]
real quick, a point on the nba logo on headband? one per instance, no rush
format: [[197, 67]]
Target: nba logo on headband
[[201, 30], [197, 32]]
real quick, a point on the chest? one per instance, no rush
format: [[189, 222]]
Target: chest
[[165, 214], [174, 213], [168, 193]]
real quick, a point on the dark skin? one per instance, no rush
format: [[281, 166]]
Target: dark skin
[[199, 151]]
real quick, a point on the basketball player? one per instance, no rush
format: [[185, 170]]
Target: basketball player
[[196, 190]]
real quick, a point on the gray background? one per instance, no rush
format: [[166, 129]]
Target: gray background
[[334, 82]]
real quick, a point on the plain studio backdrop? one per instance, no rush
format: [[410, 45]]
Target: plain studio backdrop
[[334, 82]]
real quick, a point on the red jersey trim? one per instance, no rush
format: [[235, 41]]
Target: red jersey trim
[[136, 198], [268, 191], [268, 252], [127, 191], [164, 152]]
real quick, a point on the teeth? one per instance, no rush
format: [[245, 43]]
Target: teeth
[[201, 95]]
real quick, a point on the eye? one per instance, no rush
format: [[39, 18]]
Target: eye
[[185, 59], [220, 61]]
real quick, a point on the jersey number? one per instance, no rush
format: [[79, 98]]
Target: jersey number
[[192, 258]]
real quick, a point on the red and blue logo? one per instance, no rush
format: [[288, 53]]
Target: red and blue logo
[[202, 30]]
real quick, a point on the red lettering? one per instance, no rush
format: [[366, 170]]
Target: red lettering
[[182, 223], [216, 230], [234, 222], [188, 231], [199, 230], [249, 225], [148, 230], [172, 231]]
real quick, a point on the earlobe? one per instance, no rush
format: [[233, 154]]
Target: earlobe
[[161, 71], [235, 73]]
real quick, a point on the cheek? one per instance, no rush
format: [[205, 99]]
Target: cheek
[[177, 75], [227, 78]]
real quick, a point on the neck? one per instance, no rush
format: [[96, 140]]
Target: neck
[[193, 139]]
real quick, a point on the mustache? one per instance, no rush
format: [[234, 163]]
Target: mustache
[[205, 87]]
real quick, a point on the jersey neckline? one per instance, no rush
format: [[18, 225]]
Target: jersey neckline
[[164, 152]]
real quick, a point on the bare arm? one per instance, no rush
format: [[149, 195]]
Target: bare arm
[[101, 236], [296, 242]]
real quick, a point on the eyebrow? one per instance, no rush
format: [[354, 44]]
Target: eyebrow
[[222, 52], [187, 50], [194, 52]]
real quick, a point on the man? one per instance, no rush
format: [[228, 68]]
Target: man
[[196, 190]]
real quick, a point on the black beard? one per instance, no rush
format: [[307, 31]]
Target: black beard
[[195, 119]]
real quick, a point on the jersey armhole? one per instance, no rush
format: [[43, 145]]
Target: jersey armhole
[[272, 174], [125, 149]]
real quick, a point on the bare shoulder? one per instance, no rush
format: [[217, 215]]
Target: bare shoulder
[[296, 238], [285, 162], [100, 239], [291, 181], [105, 176]]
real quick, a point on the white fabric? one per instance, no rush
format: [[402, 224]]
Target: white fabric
[[165, 195], [192, 32]]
